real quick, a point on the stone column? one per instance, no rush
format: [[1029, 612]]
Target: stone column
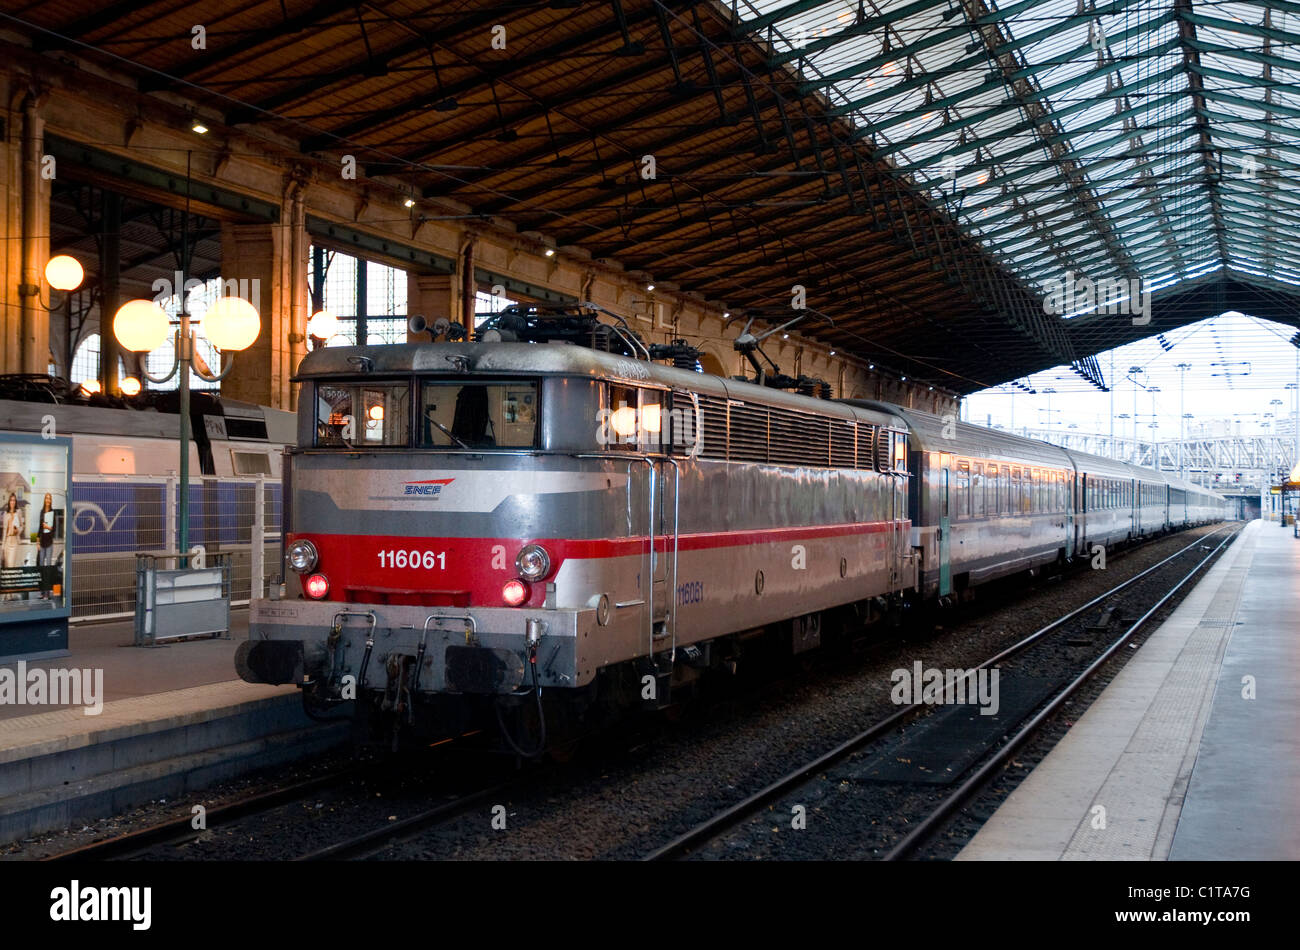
[[11, 251], [432, 296], [24, 321]]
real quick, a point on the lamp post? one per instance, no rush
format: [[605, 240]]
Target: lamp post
[[229, 324], [1133, 371], [1155, 445], [62, 273], [1182, 413], [1295, 410]]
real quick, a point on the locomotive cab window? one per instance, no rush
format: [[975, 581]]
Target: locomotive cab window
[[646, 421], [458, 415], [369, 414]]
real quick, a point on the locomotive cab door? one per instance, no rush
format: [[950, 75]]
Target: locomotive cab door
[[945, 524], [671, 424]]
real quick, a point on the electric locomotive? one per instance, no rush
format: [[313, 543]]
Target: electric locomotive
[[468, 521]]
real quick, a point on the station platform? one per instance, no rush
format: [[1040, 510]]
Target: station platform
[[1178, 759], [173, 719]]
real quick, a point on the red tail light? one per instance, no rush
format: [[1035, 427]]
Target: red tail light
[[514, 593], [317, 586]]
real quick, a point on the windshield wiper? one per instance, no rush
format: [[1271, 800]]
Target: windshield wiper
[[445, 431]]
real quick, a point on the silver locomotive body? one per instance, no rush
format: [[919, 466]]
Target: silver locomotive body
[[505, 515]]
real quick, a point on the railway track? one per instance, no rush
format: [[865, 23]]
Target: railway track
[[998, 744], [158, 839], [179, 831]]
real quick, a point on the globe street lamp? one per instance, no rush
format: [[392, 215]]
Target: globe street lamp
[[64, 273], [229, 324]]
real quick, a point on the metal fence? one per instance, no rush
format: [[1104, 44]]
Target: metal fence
[[115, 517]]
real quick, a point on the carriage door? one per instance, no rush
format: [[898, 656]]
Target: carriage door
[[945, 524], [1067, 497], [1135, 509]]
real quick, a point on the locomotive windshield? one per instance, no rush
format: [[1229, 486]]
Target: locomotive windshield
[[450, 414], [479, 415], [363, 414]]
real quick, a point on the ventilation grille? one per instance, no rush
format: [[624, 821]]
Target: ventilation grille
[[747, 429], [842, 443], [744, 432], [800, 439], [713, 413], [867, 437]]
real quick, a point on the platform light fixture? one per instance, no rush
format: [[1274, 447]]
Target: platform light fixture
[[322, 325], [130, 386], [549, 252], [199, 127], [140, 326], [64, 273], [409, 203]]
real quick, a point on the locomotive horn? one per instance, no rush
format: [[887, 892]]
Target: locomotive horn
[[417, 324]]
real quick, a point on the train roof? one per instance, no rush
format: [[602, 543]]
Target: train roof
[[563, 359], [931, 433], [928, 434]]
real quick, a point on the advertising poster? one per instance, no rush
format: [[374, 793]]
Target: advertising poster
[[34, 526]]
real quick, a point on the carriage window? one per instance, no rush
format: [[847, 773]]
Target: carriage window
[[963, 490], [478, 415], [368, 414], [977, 490]]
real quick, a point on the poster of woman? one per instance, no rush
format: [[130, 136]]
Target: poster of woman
[[34, 490]]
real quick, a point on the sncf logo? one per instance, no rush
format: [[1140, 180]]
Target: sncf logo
[[431, 487]]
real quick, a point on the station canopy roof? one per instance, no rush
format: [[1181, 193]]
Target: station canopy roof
[[924, 168]]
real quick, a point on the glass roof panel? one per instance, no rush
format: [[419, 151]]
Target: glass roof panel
[[1102, 133]]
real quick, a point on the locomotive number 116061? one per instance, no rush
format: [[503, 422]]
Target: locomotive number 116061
[[414, 559]]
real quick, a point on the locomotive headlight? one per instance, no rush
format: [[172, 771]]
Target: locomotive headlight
[[533, 562], [302, 556]]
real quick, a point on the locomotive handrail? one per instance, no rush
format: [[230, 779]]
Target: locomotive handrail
[[672, 586], [337, 625], [471, 629], [622, 329]]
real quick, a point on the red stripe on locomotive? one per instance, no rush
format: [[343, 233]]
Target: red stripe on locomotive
[[463, 572]]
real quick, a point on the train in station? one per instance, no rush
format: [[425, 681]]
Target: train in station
[[137, 435], [125, 454], [473, 525]]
